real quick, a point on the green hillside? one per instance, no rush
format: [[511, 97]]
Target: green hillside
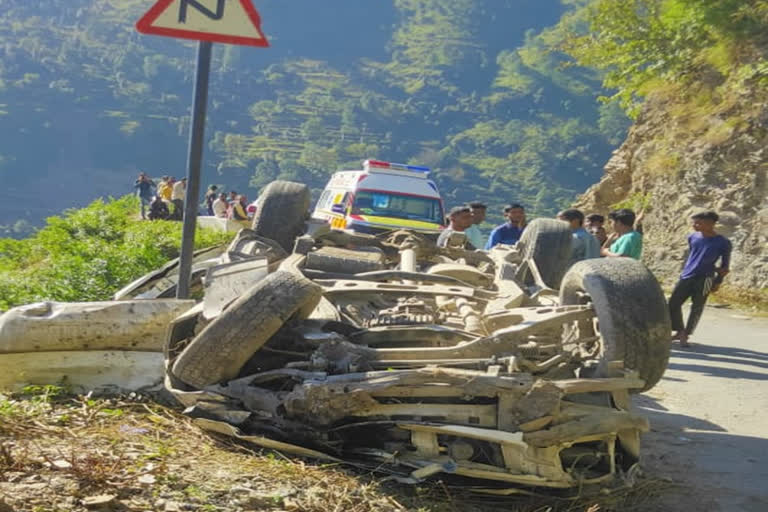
[[468, 87], [90, 253]]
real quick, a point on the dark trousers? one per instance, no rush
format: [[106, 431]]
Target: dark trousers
[[695, 288], [145, 201], [178, 209]]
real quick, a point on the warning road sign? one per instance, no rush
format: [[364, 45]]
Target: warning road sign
[[217, 21], [207, 21]]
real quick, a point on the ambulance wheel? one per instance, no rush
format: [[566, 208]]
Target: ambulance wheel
[[282, 210]]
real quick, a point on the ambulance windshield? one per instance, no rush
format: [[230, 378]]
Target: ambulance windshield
[[398, 206]]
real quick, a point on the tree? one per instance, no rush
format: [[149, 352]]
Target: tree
[[313, 129]]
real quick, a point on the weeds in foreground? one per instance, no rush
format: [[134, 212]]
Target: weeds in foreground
[[145, 455]]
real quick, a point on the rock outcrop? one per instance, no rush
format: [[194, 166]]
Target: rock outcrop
[[679, 159]]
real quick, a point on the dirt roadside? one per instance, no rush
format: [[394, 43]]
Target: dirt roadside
[[709, 418]]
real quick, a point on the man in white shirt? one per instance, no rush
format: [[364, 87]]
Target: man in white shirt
[[220, 206], [474, 235], [177, 198]]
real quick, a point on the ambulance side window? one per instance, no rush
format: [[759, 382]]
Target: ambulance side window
[[321, 203]]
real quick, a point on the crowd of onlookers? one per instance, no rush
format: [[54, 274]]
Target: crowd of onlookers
[[164, 200], [227, 205], [590, 238], [701, 274]]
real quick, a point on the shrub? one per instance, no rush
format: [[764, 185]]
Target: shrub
[[88, 254]]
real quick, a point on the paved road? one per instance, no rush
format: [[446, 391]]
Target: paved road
[[709, 418]]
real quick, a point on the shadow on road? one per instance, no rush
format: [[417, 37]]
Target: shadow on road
[[661, 418], [721, 355], [674, 379], [646, 402], [714, 371], [725, 354], [723, 359], [718, 471]]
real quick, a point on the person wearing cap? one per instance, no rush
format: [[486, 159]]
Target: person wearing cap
[[474, 235], [459, 218], [510, 232], [700, 274]]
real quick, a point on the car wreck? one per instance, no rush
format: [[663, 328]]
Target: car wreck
[[503, 367]]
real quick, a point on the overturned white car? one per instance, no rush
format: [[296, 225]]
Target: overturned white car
[[390, 353]]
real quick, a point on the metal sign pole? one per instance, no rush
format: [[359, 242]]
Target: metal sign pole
[[194, 163]]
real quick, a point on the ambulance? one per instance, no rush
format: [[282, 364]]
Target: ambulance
[[382, 197]]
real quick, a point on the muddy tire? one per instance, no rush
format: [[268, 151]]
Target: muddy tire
[[632, 314], [345, 261], [219, 352], [282, 211], [548, 243]]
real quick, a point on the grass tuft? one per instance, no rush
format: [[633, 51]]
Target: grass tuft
[[753, 300]]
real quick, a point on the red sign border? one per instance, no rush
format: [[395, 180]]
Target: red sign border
[[144, 26]]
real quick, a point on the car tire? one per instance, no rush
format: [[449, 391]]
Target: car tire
[[283, 207], [548, 243], [345, 261], [249, 244], [226, 344], [631, 311]]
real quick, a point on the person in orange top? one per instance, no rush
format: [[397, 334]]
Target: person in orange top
[[165, 190], [236, 210]]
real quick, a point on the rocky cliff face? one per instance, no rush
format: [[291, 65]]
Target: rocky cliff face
[[710, 153]]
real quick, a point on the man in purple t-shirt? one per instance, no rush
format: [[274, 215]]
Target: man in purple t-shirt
[[700, 276]]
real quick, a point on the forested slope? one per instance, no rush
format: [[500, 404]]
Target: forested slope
[[469, 87]]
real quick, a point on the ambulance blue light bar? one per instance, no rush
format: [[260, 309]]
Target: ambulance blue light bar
[[393, 166]]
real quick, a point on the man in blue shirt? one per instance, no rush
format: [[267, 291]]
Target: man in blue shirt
[[584, 246], [510, 232], [700, 275], [144, 186]]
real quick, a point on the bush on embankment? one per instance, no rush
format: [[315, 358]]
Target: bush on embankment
[[87, 254]]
